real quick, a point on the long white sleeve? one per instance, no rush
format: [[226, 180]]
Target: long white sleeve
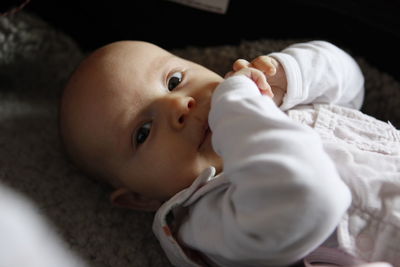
[[319, 72], [284, 197]]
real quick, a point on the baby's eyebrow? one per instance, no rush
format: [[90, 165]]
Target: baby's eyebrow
[[156, 66], [160, 62]]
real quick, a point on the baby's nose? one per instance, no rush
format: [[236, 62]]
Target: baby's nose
[[180, 109]]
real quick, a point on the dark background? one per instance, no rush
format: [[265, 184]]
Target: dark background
[[368, 28]]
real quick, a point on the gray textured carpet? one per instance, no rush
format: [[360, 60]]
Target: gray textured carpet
[[35, 61]]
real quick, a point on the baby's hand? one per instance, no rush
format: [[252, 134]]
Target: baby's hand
[[272, 70], [257, 76], [265, 64]]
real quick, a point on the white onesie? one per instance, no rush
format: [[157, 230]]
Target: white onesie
[[295, 177]]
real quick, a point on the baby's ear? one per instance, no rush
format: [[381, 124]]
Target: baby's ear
[[125, 198]]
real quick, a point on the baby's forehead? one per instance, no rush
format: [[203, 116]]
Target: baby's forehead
[[141, 60], [124, 71], [136, 53]]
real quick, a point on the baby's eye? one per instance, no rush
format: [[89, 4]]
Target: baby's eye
[[142, 133], [174, 80]]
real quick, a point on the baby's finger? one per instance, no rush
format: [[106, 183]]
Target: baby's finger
[[267, 91], [265, 64], [257, 77], [261, 81], [240, 64]]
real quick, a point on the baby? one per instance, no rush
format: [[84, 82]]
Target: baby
[[258, 169]]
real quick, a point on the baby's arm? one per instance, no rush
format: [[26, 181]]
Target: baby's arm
[[319, 72], [314, 72], [284, 196]]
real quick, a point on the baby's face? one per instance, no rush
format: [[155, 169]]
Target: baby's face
[[141, 114]]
